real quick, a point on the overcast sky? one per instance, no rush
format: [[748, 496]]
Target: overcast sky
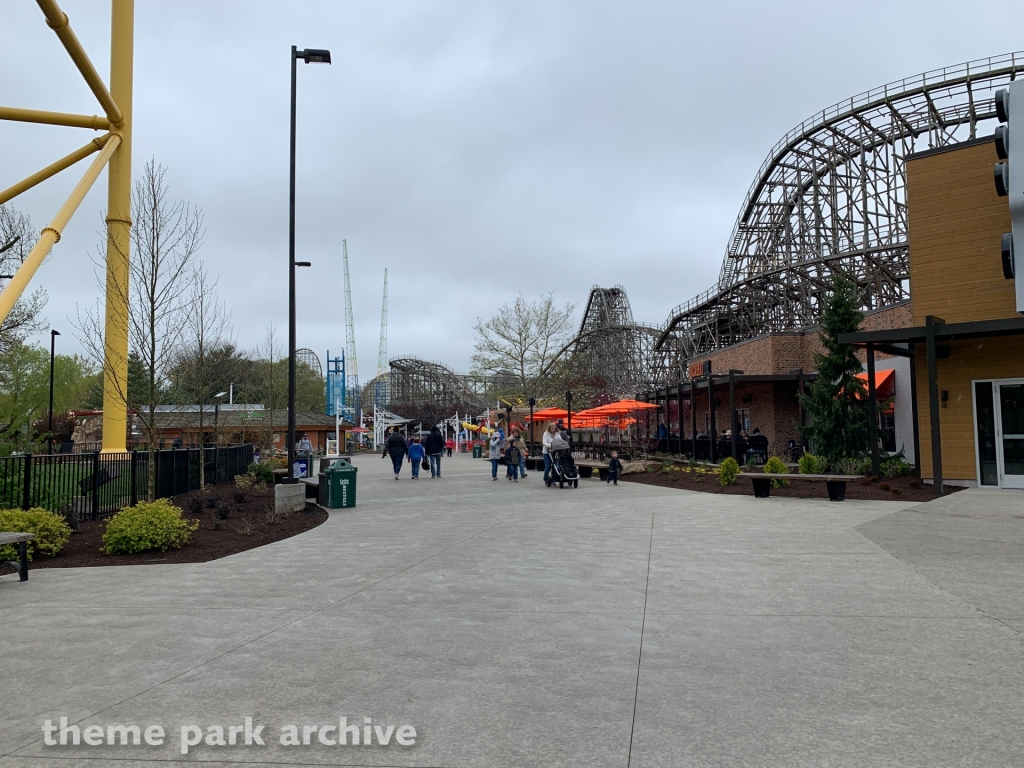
[[475, 149]]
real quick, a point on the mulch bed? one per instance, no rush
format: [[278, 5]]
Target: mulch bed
[[907, 488], [247, 526]]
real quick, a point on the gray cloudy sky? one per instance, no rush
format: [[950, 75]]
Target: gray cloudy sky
[[475, 149]]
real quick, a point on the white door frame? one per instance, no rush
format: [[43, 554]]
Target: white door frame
[[1018, 480]]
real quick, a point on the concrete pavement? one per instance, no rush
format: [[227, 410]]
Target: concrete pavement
[[513, 625]]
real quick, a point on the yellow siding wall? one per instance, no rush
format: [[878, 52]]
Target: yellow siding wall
[[995, 358], [955, 220]]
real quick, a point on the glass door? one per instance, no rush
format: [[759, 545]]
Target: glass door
[[1010, 440]]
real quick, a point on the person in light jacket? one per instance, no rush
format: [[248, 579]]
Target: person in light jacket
[[549, 435], [494, 447]]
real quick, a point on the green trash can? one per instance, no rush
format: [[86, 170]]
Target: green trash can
[[341, 485], [478, 451]]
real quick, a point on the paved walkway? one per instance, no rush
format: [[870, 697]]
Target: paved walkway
[[513, 625]]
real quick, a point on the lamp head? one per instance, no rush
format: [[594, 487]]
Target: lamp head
[[314, 56]]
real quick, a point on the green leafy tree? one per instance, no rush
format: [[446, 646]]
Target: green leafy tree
[[836, 401]]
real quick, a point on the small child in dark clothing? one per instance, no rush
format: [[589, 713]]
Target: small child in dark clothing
[[614, 467], [512, 455]]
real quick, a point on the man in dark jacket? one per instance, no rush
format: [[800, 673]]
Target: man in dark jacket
[[434, 445], [396, 448]]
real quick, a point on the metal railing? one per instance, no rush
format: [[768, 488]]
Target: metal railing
[[87, 486]]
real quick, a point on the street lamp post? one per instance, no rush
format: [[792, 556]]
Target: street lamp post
[[310, 56], [216, 437], [568, 413], [49, 419]]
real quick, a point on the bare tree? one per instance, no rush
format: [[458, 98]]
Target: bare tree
[[520, 342], [166, 237], [207, 329], [17, 237], [270, 376]]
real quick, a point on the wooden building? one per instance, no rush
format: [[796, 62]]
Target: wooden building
[[966, 342]]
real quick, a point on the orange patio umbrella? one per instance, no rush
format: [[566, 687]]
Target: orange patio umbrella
[[613, 409], [549, 414]]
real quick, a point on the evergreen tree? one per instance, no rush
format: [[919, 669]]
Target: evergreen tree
[[837, 400]]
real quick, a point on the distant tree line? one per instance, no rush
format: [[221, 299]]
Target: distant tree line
[[182, 348]]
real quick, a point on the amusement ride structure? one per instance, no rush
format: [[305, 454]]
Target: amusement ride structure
[[830, 199]]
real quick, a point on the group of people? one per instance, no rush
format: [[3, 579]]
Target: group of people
[[425, 454], [513, 449]]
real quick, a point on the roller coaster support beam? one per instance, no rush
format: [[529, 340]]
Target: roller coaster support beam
[[95, 122], [51, 234], [54, 168], [115, 343], [57, 20]]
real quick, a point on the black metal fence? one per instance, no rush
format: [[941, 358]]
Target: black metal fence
[[92, 485]]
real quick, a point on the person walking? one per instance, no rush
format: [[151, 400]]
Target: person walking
[[396, 448], [434, 448], [549, 435], [614, 467], [416, 452], [449, 446], [521, 445], [512, 457], [494, 454]]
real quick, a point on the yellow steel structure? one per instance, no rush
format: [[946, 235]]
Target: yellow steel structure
[[115, 151]]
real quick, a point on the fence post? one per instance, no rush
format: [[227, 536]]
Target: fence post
[[134, 499], [26, 491], [216, 464], [95, 485]]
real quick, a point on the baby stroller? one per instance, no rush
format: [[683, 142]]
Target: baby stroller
[[563, 468]]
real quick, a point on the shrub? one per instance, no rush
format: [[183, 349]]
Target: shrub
[[776, 466], [864, 467], [52, 531], [148, 525], [262, 471], [848, 467], [895, 467], [248, 481], [730, 471], [811, 465]]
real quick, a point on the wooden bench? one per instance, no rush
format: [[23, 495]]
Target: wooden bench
[[21, 539], [586, 468], [836, 484]]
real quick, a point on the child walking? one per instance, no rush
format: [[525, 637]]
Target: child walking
[[614, 467], [512, 456], [416, 454]]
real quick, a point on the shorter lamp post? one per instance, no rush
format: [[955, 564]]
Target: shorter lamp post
[[568, 413], [216, 416], [216, 434], [529, 442], [49, 419]]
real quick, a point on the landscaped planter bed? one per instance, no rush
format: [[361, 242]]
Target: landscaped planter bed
[[248, 525], [873, 491]]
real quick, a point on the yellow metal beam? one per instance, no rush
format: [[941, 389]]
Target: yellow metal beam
[[95, 122], [57, 20], [119, 203], [54, 168], [51, 234]]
